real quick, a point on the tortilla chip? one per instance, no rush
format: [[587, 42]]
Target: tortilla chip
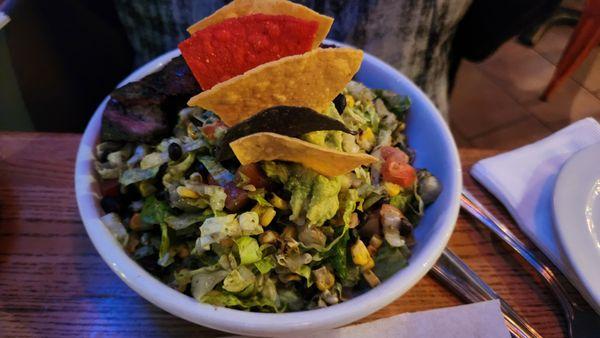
[[239, 8], [311, 80], [233, 46], [270, 146]]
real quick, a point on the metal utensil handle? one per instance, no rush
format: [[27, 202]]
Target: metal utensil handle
[[540, 263], [452, 271]]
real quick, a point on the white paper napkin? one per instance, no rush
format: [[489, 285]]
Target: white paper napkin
[[476, 320], [523, 180]]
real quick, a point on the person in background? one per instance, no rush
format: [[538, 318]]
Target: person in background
[[424, 39]]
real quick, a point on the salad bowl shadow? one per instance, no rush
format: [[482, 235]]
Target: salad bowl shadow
[[436, 150]]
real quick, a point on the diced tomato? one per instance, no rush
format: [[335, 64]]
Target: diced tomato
[[254, 175], [394, 154], [236, 198], [109, 188], [210, 129], [402, 174]]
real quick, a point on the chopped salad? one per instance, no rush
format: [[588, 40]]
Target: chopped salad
[[271, 236]]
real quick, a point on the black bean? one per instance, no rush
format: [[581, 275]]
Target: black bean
[[196, 167], [429, 187], [132, 193], [162, 195], [340, 103], [175, 151], [110, 204], [405, 227]]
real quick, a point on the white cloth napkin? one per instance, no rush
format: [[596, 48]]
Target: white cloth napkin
[[523, 180], [465, 321]]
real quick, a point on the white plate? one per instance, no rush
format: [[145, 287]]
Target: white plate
[[577, 218], [428, 134]]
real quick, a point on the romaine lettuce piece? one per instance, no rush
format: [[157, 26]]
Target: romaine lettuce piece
[[203, 282], [248, 249], [154, 211], [249, 223], [215, 229], [265, 265], [135, 175], [239, 279], [113, 222]]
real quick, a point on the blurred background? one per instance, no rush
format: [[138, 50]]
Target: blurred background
[[59, 59]]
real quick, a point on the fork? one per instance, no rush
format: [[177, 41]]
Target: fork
[[456, 274], [581, 323]]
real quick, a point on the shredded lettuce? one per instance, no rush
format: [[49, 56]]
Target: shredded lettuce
[[239, 279], [215, 229], [154, 211], [216, 170], [185, 220], [249, 224], [348, 202], [259, 196], [397, 104], [227, 299], [137, 175], [339, 257], [113, 222], [204, 281], [248, 249], [213, 195], [265, 265], [164, 256]]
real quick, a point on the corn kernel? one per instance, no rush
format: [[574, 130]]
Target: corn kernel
[[185, 192], [392, 188], [192, 131], [279, 202], [324, 278], [368, 135], [371, 278], [370, 265], [267, 216], [349, 101], [374, 244], [360, 254]]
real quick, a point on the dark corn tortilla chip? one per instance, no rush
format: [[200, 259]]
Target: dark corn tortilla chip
[[283, 120]]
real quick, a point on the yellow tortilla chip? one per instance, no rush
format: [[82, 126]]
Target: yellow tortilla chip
[[311, 80], [270, 146], [239, 8]]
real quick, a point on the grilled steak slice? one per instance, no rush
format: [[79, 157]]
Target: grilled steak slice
[[141, 123], [175, 79], [146, 110]]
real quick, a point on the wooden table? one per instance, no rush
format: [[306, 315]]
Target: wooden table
[[54, 283]]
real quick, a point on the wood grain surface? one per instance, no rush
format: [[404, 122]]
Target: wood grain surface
[[54, 283]]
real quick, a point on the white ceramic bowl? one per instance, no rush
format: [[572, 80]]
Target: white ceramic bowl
[[428, 135]]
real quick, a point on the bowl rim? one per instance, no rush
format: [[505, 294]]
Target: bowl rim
[[243, 322]]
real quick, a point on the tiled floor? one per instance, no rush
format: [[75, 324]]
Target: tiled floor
[[495, 104]]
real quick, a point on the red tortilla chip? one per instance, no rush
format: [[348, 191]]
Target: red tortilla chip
[[233, 46]]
